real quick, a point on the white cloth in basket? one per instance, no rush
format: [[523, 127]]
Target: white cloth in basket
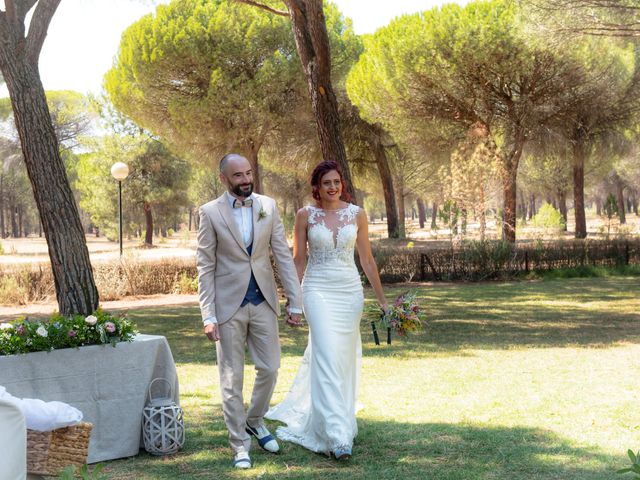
[[43, 416]]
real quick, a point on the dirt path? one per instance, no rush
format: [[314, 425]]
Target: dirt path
[[9, 312]]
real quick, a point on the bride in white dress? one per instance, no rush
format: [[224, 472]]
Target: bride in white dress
[[320, 408]]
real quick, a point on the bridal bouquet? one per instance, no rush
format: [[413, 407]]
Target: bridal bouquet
[[402, 317]]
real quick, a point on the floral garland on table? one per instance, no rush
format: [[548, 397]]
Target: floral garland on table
[[403, 317], [23, 336]]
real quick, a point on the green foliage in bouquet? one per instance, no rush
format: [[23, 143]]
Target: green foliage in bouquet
[[405, 315], [402, 317], [23, 336]]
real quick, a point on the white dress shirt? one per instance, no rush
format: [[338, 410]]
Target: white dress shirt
[[243, 217]]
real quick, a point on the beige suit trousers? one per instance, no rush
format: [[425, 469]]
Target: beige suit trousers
[[257, 327]]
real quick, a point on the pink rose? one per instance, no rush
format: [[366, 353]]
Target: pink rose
[[109, 327]]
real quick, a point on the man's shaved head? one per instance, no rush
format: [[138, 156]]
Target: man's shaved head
[[224, 161]]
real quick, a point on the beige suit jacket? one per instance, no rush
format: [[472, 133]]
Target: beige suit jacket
[[224, 265]]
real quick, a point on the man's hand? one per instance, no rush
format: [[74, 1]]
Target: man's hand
[[294, 319], [212, 333]]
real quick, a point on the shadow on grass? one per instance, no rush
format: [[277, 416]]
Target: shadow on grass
[[576, 312], [182, 325], [390, 450], [582, 312]]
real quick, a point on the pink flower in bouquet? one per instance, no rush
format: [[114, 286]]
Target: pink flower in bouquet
[[110, 327], [21, 330], [71, 333]]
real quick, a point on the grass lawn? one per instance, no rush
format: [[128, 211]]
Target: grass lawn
[[524, 380]]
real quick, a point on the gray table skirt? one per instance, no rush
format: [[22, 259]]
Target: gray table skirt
[[108, 385]]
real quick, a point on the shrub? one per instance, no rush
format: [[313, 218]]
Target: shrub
[[170, 232], [549, 219], [484, 260], [12, 292], [114, 279], [186, 284], [24, 284]]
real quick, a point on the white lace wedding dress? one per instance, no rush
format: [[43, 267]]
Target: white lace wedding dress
[[320, 408]]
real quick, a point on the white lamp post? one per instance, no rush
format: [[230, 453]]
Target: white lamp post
[[120, 171]]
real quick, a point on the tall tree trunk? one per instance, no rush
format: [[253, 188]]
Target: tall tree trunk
[[15, 233], [532, 205], [21, 232], [401, 211], [562, 206], [148, 237], [510, 173], [620, 199], [509, 202], [434, 215], [298, 198], [382, 162], [422, 212], [73, 276], [482, 207], [579, 157], [312, 43], [252, 155], [523, 206], [634, 203]]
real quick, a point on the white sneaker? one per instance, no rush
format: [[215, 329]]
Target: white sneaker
[[241, 459], [264, 437]]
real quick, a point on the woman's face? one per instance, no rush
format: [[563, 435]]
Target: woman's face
[[330, 187]]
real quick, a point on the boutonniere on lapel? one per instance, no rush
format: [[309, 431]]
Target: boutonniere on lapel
[[262, 213]]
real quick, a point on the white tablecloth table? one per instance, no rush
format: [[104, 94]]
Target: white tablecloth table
[[109, 385]]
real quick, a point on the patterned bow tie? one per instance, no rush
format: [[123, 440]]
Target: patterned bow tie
[[242, 203]]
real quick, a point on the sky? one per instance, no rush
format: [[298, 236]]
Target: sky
[[84, 35]]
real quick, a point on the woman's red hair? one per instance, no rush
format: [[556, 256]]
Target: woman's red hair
[[320, 171]]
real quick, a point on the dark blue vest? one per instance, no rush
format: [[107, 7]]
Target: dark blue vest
[[253, 295]]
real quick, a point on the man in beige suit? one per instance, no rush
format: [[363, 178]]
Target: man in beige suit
[[239, 301]]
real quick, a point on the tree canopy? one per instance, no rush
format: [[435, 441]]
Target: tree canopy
[[208, 77], [455, 67]]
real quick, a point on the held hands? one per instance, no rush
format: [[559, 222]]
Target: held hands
[[294, 319], [212, 332]]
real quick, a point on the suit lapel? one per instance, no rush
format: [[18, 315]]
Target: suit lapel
[[227, 216], [257, 206]]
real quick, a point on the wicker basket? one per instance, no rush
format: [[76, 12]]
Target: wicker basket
[[50, 452]]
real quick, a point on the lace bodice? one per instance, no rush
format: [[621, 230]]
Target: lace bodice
[[332, 234]]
